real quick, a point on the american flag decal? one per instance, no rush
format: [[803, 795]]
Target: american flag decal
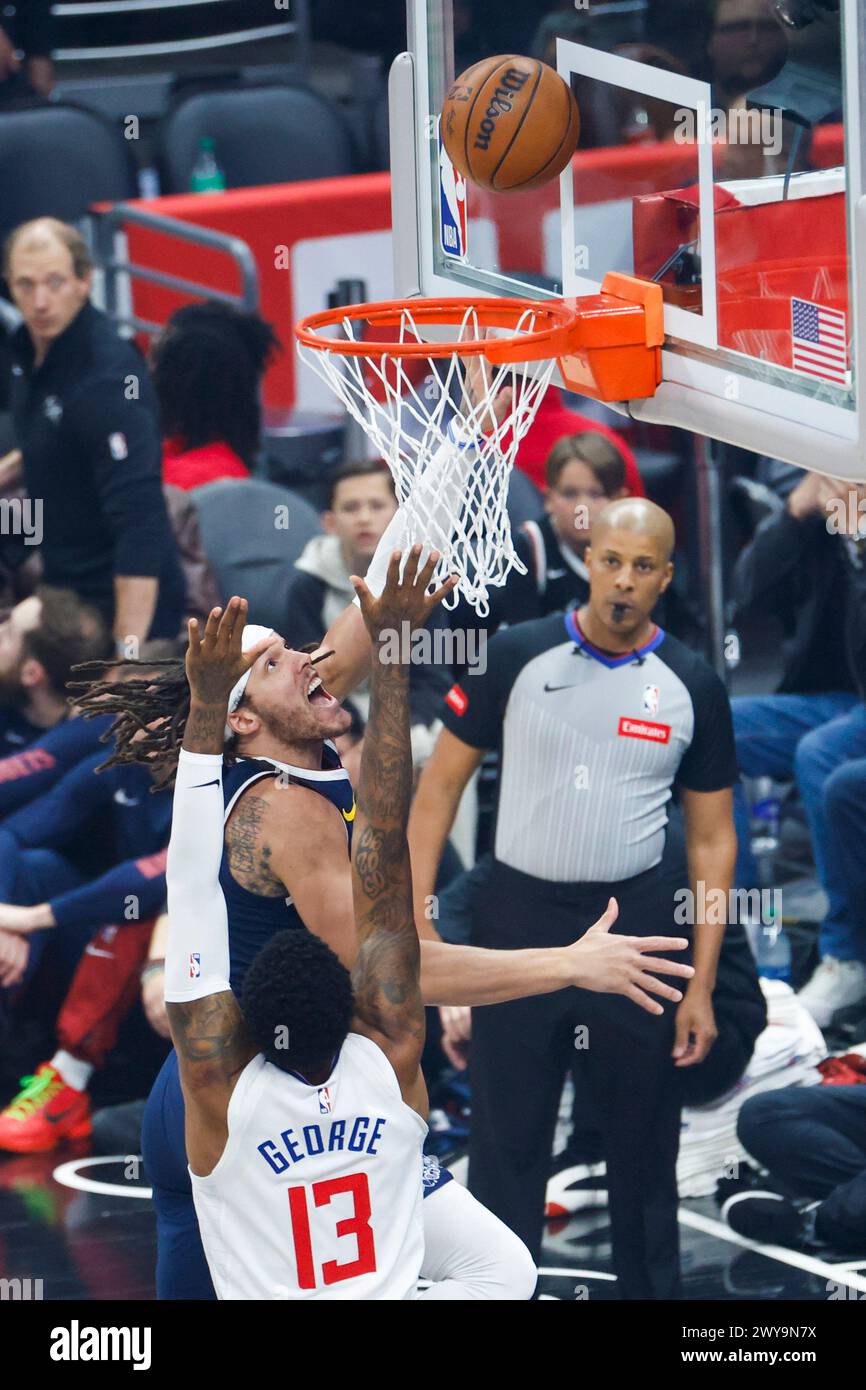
[[819, 341]]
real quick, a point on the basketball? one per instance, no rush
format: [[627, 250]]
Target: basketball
[[510, 123]]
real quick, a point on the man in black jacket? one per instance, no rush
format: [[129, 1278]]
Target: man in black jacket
[[807, 565], [86, 423]]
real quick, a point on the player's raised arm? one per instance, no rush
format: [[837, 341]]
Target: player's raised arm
[[343, 659], [386, 976], [205, 1019]]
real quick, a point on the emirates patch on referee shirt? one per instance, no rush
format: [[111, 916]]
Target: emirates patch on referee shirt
[[457, 699], [643, 728]]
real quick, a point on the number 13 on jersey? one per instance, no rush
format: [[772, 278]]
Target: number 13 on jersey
[[357, 1225]]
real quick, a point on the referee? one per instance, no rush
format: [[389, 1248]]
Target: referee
[[598, 714]]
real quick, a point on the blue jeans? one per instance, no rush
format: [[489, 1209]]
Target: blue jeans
[[813, 1140], [820, 741]]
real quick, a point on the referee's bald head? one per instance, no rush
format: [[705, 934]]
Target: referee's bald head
[[642, 518]]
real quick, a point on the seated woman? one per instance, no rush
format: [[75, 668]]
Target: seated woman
[[207, 368]]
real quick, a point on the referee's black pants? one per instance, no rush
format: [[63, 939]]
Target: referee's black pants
[[522, 1050]]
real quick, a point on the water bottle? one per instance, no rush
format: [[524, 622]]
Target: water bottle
[[148, 183], [207, 176], [766, 822], [774, 953]]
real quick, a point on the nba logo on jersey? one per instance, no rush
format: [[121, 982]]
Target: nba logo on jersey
[[452, 208], [194, 965], [324, 1100], [458, 700], [651, 696]]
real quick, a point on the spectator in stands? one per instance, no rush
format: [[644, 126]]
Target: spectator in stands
[[361, 504], [802, 567], [41, 639], [90, 851], [117, 1128], [53, 1104], [30, 29], [747, 47], [85, 852], [812, 1139], [583, 472], [85, 420], [207, 367], [553, 420]]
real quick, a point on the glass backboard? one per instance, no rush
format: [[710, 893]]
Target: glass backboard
[[720, 155]]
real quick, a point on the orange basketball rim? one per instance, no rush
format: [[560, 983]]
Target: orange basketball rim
[[607, 345]]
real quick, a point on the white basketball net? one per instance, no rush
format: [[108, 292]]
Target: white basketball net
[[434, 421]]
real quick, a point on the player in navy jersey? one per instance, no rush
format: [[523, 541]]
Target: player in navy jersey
[[286, 863], [340, 1096]]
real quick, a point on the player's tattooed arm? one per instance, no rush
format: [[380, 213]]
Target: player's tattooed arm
[[204, 728], [211, 1039], [386, 975], [283, 840], [213, 1047]]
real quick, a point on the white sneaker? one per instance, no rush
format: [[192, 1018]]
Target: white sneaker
[[834, 985]]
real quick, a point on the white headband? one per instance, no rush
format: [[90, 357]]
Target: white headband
[[252, 634]]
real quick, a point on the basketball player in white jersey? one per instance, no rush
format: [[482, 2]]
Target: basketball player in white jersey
[[306, 1111]]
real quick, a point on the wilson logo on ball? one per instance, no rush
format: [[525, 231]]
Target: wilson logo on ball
[[500, 103], [510, 123]]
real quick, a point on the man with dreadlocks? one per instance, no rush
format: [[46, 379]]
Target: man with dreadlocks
[[289, 812]]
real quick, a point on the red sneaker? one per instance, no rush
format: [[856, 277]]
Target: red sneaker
[[45, 1112]]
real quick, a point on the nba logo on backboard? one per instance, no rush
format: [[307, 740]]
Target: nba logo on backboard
[[324, 1100], [651, 694], [194, 965], [452, 208]]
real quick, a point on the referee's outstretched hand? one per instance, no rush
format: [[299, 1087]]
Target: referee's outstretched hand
[[610, 963]]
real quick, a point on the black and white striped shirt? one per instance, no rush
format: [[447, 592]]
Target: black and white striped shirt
[[591, 745]]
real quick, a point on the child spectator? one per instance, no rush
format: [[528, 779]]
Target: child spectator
[[553, 420], [582, 473], [361, 504]]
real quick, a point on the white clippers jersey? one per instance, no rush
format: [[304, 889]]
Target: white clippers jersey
[[318, 1190]]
